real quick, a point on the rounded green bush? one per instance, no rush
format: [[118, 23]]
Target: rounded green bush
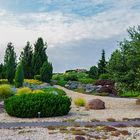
[[28, 105]]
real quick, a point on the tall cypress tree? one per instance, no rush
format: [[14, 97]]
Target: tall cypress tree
[[102, 64], [39, 56], [26, 59], [10, 62], [46, 72]]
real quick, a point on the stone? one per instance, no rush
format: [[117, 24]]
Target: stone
[[80, 138], [72, 85], [95, 104], [90, 88], [138, 102]]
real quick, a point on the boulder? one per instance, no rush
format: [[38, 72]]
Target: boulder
[[138, 102], [90, 88], [80, 138], [72, 85], [95, 104]]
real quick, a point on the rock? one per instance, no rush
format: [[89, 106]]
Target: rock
[[115, 133], [72, 85], [90, 88], [81, 86], [95, 104], [138, 102], [80, 138], [125, 132]]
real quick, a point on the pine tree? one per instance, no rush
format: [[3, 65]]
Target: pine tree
[[19, 76], [46, 72], [102, 64], [26, 59], [39, 56], [10, 62]]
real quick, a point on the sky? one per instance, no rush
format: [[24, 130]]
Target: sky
[[76, 31]]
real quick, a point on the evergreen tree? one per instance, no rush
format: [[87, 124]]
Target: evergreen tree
[[93, 72], [39, 56], [10, 62], [1, 70], [19, 76], [26, 59], [46, 72], [102, 64]]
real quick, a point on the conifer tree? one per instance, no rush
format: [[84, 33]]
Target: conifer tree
[[10, 62], [46, 72], [102, 64], [39, 56], [26, 59]]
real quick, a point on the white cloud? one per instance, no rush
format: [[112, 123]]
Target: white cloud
[[59, 28]]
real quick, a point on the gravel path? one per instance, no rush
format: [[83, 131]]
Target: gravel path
[[117, 108], [47, 124]]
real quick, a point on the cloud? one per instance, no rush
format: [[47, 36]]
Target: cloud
[[70, 24]]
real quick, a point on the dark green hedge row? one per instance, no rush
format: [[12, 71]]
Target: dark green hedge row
[[28, 105]]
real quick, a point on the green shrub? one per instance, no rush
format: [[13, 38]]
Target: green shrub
[[28, 105], [130, 94], [105, 76], [53, 90], [86, 80], [80, 102], [3, 81], [71, 77], [62, 83], [37, 77], [6, 91], [57, 77], [23, 90]]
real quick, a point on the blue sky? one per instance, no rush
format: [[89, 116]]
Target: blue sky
[[76, 30]]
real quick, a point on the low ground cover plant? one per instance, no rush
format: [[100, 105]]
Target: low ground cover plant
[[38, 91], [129, 94], [29, 105], [32, 81], [23, 90], [53, 90]]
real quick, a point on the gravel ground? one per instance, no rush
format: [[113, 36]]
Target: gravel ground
[[69, 133]]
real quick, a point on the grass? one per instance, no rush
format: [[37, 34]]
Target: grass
[[80, 102], [130, 94]]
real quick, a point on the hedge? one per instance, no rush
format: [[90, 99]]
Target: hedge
[[28, 105]]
